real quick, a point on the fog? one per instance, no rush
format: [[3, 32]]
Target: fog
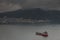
[[27, 32], [11, 5]]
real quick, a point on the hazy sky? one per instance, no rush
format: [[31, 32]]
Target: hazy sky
[[21, 4]]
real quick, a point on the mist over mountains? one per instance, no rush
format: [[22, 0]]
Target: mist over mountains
[[33, 13]]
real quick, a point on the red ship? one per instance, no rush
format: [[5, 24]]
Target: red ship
[[44, 34]]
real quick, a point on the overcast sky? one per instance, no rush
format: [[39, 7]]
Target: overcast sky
[[23, 4]]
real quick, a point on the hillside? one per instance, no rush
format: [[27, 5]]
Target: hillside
[[35, 13]]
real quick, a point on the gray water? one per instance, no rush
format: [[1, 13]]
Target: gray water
[[27, 32]]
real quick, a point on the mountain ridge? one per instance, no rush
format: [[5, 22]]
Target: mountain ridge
[[34, 13]]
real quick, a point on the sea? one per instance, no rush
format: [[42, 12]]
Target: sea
[[28, 31]]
